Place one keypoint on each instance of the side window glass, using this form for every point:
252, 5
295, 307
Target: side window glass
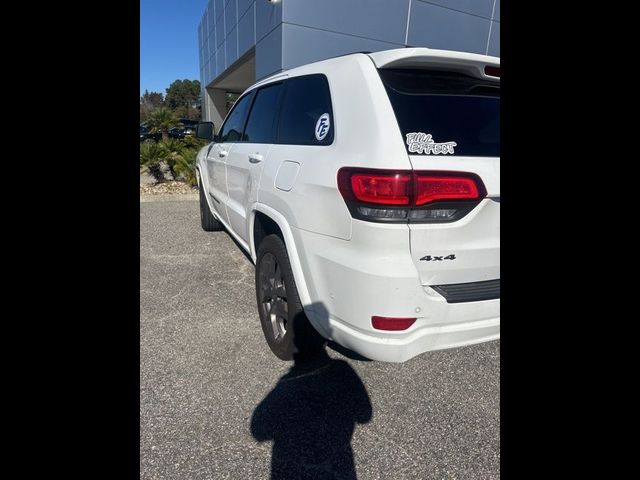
232, 129
307, 116
261, 126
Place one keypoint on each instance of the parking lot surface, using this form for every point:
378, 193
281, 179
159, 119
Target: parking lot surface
216, 403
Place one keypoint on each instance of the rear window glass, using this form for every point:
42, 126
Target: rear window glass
442, 113
306, 117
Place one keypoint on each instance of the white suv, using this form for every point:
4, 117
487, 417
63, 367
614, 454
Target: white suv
366, 189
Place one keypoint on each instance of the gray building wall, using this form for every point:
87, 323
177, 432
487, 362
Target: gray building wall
284, 34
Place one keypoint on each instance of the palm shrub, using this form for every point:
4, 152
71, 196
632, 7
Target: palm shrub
191, 141
179, 155
186, 166
162, 119
174, 149
151, 156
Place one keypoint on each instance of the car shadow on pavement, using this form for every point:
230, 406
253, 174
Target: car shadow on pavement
310, 416
346, 352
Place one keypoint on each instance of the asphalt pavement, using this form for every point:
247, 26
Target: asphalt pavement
216, 403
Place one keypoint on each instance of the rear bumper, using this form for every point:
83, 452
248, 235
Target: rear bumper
393, 348
470, 291
348, 282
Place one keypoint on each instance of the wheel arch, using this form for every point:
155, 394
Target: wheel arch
264, 221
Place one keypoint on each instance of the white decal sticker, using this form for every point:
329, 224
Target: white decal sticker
322, 126
423, 143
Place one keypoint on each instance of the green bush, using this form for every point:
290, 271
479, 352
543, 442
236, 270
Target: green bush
186, 166
192, 142
174, 149
151, 156
178, 154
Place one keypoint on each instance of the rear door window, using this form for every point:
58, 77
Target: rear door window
306, 117
262, 122
445, 112
232, 129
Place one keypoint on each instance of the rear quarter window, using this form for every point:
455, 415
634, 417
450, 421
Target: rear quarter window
445, 108
306, 117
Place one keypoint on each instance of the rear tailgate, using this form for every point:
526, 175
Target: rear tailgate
474, 240
447, 108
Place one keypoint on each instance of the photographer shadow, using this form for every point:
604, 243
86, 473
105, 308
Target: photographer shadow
310, 416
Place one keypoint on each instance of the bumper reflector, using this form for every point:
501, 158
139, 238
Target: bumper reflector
388, 323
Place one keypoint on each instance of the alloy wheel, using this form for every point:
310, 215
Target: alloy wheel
273, 295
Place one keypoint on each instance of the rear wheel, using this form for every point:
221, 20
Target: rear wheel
207, 220
286, 328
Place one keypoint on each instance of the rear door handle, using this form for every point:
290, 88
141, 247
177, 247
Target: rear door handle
223, 153
255, 158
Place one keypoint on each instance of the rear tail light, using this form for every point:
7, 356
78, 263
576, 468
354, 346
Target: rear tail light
409, 196
388, 323
432, 188
383, 189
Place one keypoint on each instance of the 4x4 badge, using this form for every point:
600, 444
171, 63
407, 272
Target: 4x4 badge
430, 258
419, 142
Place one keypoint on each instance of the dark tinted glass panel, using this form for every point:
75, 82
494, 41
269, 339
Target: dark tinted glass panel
451, 107
306, 99
261, 126
232, 128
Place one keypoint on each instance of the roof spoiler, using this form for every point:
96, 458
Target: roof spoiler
480, 66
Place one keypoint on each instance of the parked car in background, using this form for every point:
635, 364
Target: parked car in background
176, 132
145, 134
366, 190
189, 126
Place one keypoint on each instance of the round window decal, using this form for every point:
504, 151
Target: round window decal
322, 126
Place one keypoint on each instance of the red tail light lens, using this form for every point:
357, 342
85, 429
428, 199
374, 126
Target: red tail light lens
381, 189
432, 188
394, 324
408, 195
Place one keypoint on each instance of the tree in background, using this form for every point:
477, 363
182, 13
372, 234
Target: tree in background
190, 113
162, 114
232, 98
183, 96
152, 99
149, 101
162, 119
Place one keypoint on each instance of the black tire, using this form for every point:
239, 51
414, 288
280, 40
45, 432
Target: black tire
286, 328
207, 220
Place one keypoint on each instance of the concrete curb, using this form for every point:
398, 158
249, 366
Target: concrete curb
170, 197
